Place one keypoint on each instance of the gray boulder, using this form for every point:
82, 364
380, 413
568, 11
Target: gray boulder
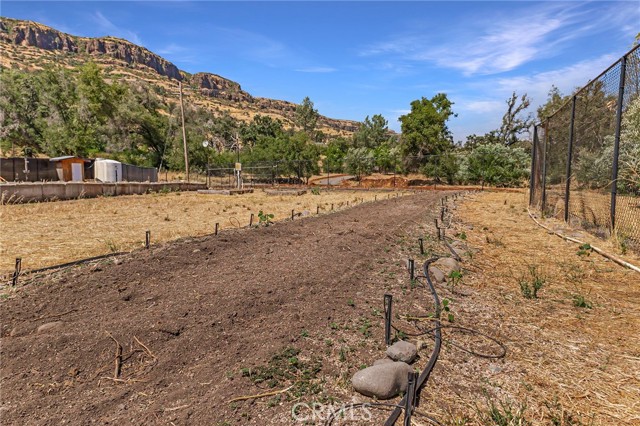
402, 351
382, 381
447, 265
437, 274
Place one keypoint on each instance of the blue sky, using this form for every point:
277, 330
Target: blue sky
362, 58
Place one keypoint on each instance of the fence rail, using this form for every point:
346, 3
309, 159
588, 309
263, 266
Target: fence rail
586, 156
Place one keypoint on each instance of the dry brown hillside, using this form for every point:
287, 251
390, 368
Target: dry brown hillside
29, 45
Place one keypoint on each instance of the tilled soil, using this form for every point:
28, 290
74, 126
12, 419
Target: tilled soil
194, 318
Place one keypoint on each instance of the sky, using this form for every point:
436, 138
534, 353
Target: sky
354, 59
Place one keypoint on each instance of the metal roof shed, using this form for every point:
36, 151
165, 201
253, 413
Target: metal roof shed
70, 168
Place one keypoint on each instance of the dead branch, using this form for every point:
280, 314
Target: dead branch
145, 348
118, 358
262, 395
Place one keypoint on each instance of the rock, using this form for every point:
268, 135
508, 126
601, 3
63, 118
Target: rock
437, 274
383, 361
402, 351
495, 369
305, 213
382, 381
50, 326
447, 264
117, 261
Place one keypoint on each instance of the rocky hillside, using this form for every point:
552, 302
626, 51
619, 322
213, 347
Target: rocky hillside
30, 45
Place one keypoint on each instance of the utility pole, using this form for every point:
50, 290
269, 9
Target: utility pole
184, 136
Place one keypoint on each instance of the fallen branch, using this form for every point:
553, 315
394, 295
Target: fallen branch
145, 348
118, 358
261, 395
54, 315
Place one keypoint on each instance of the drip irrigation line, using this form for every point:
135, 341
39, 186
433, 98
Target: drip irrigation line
437, 333
596, 249
73, 263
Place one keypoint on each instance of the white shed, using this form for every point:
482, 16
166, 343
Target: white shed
107, 170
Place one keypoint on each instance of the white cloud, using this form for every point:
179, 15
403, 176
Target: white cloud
481, 107
111, 29
317, 69
500, 43
172, 48
566, 79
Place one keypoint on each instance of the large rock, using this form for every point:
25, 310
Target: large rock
402, 351
447, 265
382, 381
437, 274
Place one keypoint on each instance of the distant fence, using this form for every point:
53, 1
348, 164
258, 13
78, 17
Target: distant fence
26, 169
586, 156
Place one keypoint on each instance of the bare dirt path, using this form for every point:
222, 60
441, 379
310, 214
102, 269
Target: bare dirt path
186, 321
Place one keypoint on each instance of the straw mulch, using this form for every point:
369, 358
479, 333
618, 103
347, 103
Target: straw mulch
45, 234
573, 353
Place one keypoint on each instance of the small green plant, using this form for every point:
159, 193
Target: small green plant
529, 289
265, 218
447, 310
462, 235
304, 333
315, 191
454, 279
351, 303
365, 327
584, 250
581, 302
503, 414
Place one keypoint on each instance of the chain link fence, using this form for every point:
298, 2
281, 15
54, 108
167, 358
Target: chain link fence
586, 156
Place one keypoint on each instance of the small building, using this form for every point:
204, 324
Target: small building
70, 168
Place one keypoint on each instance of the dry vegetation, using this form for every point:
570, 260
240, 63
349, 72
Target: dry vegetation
573, 352
45, 234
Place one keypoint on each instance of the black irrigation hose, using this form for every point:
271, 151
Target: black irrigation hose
424, 376
332, 416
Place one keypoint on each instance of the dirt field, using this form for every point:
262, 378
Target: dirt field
45, 234
294, 309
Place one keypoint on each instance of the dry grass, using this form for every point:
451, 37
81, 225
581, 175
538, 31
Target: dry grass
566, 364
46, 234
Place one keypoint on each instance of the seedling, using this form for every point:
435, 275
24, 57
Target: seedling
454, 279
265, 218
580, 302
447, 310
584, 250
530, 289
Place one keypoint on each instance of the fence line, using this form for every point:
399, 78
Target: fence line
586, 156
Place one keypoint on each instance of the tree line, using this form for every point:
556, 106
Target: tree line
59, 111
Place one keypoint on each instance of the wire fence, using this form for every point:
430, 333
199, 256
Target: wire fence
586, 156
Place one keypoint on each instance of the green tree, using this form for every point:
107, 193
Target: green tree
424, 129
335, 153
306, 117
372, 132
442, 167
497, 164
359, 161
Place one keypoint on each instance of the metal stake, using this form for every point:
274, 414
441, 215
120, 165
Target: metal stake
292, 214
147, 240
16, 272
216, 231
388, 303
420, 241
251, 220
616, 144
412, 270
